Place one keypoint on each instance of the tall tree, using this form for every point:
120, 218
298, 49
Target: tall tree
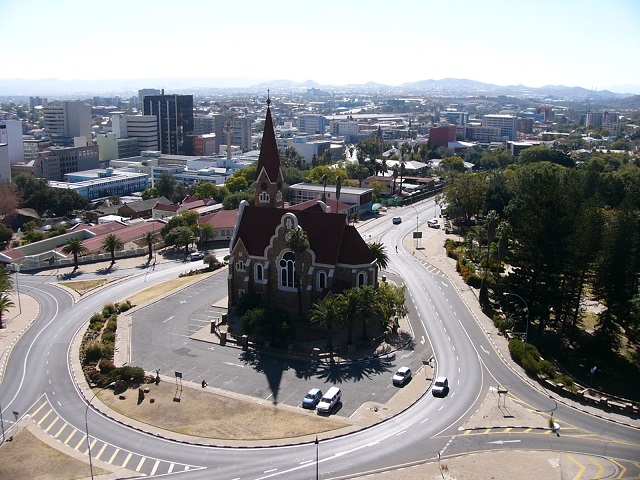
326, 313
298, 243
165, 185
350, 305
149, 239
74, 247
111, 243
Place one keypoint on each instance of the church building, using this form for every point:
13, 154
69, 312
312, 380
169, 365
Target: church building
335, 257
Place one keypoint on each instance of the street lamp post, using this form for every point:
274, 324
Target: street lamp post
417, 225
86, 425
526, 333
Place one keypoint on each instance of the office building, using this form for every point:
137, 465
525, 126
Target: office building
507, 125
174, 115
312, 123
594, 119
55, 163
66, 120
100, 183
441, 136
455, 118
11, 134
349, 129
147, 91
142, 127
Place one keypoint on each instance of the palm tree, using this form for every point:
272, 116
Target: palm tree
379, 251
394, 175
74, 247
149, 239
112, 243
349, 306
5, 305
5, 280
369, 307
298, 243
324, 179
327, 313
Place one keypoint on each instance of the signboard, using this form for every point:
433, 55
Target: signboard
417, 234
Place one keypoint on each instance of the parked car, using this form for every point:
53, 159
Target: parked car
396, 220
402, 376
196, 256
312, 398
440, 387
329, 400
433, 223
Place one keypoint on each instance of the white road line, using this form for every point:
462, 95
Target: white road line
172, 316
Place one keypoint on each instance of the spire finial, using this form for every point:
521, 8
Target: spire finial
268, 98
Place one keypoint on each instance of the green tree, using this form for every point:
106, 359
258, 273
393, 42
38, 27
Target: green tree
369, 307
111, 243
236, 184
149, 239
207, 232
298, 243
180, 237
27, 184
5, 305
150, 193
464, 195
6, 284
350, 308
379, 250
165, 185
74, 247
327, 314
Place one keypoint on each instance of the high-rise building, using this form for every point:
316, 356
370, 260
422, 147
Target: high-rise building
595, 119
68, 120
312, 123
346, 128
441, 136
507, 124
174, 121
142, 127
11, 134
147, 91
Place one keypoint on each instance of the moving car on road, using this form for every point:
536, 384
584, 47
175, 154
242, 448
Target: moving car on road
396, 220
440, 387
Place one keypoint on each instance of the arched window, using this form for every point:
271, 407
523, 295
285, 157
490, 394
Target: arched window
263, 197
362, 279
259, 272
240, 266
287, 270
322, 280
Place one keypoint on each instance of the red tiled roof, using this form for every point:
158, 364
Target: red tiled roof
221, 219
331, 239
334, 207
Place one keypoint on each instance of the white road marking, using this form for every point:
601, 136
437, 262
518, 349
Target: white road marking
168, 319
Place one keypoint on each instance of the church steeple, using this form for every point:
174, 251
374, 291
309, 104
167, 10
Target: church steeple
269, 176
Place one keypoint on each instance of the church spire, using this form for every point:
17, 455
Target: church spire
269, 174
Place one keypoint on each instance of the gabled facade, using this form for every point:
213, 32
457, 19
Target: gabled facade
261, 262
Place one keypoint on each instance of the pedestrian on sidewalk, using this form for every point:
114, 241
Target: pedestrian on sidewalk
204, 383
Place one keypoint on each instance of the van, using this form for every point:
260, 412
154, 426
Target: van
329, 400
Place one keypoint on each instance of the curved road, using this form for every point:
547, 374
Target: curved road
39, 373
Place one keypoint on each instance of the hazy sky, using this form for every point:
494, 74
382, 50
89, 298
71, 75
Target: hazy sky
593, 44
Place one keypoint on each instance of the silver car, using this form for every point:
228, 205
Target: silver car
440, 387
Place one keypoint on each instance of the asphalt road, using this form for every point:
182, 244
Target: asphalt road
39, 372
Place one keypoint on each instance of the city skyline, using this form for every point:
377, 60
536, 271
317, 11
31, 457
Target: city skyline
570, 43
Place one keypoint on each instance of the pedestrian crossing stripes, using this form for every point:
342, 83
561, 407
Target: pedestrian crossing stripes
46, 417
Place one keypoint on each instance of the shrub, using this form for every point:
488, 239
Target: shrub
106, 350
96, 322
131, 375
124, 307
106, 366
97, 378
473, 280
108, 310
108, 336
112, 324
92, 352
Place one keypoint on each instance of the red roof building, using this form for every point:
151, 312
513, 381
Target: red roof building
261, 260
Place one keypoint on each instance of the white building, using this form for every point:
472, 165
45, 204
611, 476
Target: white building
362, 198
142, 127
11, 134
346, 128
100, 183
312, 123
5, 166
508, 125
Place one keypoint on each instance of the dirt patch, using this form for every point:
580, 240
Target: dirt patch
27, 457
84, 286
202, 413
162, 289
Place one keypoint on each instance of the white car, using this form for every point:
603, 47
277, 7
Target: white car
402, 376
440, 387
433, 223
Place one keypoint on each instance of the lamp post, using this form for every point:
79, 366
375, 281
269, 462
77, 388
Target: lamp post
18, 288
416, 224
86, 425
317, 468
526, 333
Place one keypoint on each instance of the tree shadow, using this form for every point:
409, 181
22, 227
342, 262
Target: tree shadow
107, 270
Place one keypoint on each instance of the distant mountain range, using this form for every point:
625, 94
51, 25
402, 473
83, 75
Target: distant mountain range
210, 86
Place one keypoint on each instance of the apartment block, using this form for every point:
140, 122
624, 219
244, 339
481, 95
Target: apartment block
69, 119
55, 163
507, 125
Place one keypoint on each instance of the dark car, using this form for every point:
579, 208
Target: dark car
312, 398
